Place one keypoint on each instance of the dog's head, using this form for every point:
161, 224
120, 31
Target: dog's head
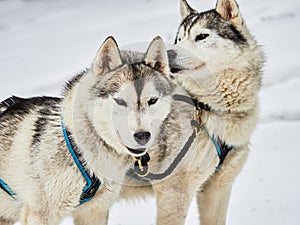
218, 38
131, 95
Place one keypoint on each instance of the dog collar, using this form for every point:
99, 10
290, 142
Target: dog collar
92, 182
194, 102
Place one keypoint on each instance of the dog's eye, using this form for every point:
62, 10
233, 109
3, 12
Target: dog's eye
152, 101
201, 37
120, 102
177, 40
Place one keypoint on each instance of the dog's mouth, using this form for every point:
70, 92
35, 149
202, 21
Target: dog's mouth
137, 151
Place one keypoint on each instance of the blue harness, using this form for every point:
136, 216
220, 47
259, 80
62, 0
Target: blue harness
222, 148
8, 103
92, 182
5, 188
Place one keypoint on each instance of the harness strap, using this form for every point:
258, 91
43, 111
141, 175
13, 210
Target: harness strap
221, 147
135, 172
141, 169
192, 101
7, 189
4, 105
9, 102
92, 182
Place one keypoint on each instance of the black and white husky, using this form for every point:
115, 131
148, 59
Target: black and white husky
68, 156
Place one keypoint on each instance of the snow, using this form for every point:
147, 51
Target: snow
43, 43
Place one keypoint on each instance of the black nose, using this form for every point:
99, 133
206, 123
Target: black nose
142, 137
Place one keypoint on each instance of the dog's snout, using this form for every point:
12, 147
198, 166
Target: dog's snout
142, 138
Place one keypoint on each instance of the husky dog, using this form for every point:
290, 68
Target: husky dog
222, 71
57, 152
227, 78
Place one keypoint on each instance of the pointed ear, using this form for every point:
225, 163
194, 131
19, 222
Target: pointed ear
185, 9
108, 57
157, 56
229, 10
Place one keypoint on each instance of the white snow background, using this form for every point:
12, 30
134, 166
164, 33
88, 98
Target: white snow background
43, 43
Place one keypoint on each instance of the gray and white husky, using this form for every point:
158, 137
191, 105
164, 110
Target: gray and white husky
110, 117
221, 69
57, 152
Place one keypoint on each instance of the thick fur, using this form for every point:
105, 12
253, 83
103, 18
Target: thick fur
217, 61
35, 161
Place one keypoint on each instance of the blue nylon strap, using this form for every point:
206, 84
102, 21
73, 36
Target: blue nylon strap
8, 103
222, 151
75, 158
7, 189
216, 145
92, 183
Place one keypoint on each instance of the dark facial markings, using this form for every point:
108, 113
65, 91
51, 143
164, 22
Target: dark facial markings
225, 29
152, 101
120, 102
186, 23
212, 20
137, 73
201, 37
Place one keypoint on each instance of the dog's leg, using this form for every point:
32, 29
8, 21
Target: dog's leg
214, 196
96, 211
31, 216
174, 197
92, 216
5, 222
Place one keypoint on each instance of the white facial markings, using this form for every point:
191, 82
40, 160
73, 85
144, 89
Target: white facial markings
143, 113
215, 51
127, 115
122, 114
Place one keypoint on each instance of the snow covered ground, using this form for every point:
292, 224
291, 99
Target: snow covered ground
43, 43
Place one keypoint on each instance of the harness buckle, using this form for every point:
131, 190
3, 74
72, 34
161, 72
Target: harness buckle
197, 117
139, 161
141, 165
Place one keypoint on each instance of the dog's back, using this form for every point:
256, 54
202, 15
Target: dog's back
21, 124
14, 112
